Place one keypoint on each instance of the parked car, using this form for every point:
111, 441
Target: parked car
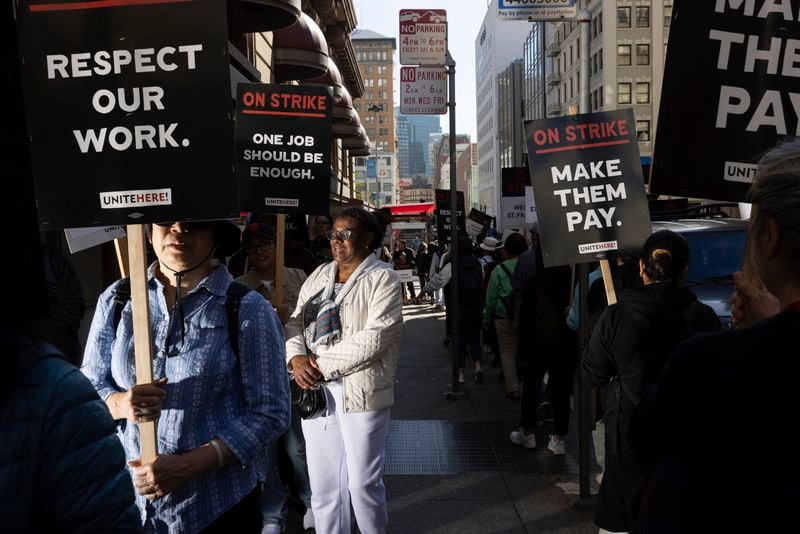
716, 251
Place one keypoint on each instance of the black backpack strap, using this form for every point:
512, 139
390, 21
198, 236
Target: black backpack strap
235, 294
121, 296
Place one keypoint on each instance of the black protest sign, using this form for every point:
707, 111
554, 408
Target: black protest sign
128, 110
477, 221
283, 147
512, 199
588, 186
731, 90
444, 217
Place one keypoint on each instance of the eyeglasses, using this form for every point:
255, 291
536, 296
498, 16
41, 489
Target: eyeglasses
259, 245
190, 225
344, 235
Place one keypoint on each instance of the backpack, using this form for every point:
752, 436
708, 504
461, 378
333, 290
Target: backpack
235, 294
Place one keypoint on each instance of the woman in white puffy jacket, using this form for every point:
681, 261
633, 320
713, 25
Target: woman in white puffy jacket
344, 337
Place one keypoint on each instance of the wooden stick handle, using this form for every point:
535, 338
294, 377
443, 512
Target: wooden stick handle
142, 341
608, 281
280, 231
121, 246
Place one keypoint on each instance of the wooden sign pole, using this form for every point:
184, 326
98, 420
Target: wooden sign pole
608, 281
280, 231
140, 303
121, 246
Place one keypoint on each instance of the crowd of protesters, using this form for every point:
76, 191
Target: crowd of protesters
236, 362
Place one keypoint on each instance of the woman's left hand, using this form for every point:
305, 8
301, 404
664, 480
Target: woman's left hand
166, 474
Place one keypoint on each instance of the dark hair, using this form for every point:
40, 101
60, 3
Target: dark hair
326, 215
665, 255
515, 244
465, 247
367, 222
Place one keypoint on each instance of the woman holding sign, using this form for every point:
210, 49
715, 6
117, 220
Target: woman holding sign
344, 337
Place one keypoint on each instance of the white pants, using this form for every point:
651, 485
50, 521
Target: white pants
345, 454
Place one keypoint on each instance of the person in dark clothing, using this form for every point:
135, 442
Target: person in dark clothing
691, 425
423, 265
470, 309
403, 258
627, 350
548, 347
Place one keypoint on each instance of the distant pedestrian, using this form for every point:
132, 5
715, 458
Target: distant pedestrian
470, 309
404, 259
422, 264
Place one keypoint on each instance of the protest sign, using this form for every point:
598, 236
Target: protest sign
512, 199
444, 217
530, 206
477, 221
128, 110
82, 238
283, 147
588, 186
731, 90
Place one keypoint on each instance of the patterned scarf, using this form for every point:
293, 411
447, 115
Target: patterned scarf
327, 328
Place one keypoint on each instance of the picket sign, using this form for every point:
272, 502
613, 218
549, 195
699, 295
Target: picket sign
142, 342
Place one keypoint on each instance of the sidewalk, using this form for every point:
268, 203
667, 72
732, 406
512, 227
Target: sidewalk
450, 467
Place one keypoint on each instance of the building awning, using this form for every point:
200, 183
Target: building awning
332, 78
264, 15
411, 209
343, 110
300, 52
347, 130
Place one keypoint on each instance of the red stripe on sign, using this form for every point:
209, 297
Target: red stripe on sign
589, 145
98, 4
284, 113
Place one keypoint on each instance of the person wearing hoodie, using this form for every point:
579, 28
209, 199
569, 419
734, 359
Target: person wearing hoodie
470, 308
627, 350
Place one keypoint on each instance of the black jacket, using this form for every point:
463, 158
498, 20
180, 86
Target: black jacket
721, 427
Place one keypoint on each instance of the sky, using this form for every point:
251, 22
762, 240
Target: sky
464, 18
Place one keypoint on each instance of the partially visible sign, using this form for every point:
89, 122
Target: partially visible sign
730, 92
283, 147
423, 37
477, 221
536, 10
444, 216
128, 110
406, 275
587, 180
512, 200
83, 238
372, 168
423, 90
530, 206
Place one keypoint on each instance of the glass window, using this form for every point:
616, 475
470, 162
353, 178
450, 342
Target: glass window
623, 55
667, 15
624, 17
643, 93
643, 131
642, 16
642, 54
623, 93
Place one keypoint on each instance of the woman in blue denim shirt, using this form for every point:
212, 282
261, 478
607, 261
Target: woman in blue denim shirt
216, 410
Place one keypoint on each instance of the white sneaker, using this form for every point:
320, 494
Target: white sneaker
518, 437
308, 519
559, 448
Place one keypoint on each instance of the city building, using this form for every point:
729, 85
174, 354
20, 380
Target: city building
440, 154
376, 179
496, 45
375, 56
510, 128
535, 65
413, 143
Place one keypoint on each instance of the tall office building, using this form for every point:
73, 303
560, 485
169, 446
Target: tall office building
413, 143
496, 45
375, 55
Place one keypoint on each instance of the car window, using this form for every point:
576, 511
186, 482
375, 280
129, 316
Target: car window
714, 254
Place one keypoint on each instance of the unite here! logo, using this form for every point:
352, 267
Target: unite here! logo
135, 199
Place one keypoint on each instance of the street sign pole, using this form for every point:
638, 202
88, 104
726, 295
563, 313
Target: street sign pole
453, 304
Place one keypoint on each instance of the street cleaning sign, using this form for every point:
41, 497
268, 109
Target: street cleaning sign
588, 186
512, 199
423, 37
536, 10
283, 147
731, 90
423, 90
444, 218
128, 110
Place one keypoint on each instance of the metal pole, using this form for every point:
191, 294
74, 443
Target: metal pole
584, 399
452, 307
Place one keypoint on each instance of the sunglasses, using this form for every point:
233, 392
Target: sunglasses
259, 245
344, 235
190, 225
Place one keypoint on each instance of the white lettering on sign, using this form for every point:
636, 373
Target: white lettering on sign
135, 199
121, 138
280, 172
104, 62
596, 169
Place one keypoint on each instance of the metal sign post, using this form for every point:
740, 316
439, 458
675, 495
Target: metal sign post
453, 305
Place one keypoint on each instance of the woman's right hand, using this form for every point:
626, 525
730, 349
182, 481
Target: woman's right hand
305, 371
140, 404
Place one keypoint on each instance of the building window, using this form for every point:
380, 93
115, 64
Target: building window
624, 17
643, 131
642, 16
643, 93
642, 54
383, 131
623, 55
623, 93
382, 119
599, 22
667, 15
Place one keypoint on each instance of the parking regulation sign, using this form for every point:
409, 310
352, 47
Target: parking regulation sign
423, 37
536, 10
423, 90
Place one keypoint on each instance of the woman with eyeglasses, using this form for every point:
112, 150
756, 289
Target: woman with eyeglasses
216, 405
344, 337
